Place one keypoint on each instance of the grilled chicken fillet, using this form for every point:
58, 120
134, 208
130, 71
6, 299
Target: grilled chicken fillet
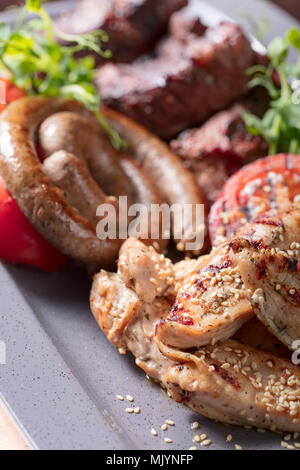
231, 382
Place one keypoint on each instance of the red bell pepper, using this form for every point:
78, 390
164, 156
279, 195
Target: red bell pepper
19, 241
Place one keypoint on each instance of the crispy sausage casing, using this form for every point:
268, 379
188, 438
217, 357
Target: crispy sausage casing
39, 199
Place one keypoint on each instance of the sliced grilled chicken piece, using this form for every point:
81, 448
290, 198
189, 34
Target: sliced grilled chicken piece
232, 382
260, 265
128, 305
185, 268
236, 384
210, 306
130, 323
267, 256
144, 270
113, 306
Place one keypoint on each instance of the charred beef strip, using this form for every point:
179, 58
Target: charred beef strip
167, 95
133, 26
184, 26
214, 151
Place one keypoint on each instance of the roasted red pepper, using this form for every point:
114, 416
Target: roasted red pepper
19, 241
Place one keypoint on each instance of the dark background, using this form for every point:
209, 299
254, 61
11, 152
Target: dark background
292, 6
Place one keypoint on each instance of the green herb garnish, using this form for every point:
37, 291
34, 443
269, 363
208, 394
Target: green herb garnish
280, 126
39, 64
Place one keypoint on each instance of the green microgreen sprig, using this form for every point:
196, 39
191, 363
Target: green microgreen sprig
40, 61
280, 126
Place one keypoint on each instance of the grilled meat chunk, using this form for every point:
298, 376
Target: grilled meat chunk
168, 95
258, 269
128, 305
211, 304
237, 384
214, 151
144, 270
231, 382
267, 255
133, 26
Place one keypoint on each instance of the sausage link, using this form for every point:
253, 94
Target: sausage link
147, 194
72, 175
81, 136
174, 181
39, 199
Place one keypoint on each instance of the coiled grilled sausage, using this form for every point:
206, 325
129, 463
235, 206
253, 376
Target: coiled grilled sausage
83, 137
63, 207
175, 182
146, 193
72, 175
39, 199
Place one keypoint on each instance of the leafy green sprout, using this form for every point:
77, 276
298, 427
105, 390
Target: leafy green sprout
280, 126
40, 62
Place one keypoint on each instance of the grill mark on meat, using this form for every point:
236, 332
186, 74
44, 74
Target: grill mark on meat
214, 64
261, 269
213, 268
225, 376
176, 316
274, 223
200, 287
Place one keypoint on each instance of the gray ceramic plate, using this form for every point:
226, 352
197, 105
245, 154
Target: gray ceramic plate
61, 375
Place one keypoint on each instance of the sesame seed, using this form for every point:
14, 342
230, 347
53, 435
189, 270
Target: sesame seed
195, 425
168, 440
287, 437
292, 291
270, 364
297, 445
203, 437
129, 410
154, 432
164, 427
238, 447
170, 422
207, 442
229, 438
225, 366
193, 448
119, 397
180, 246
290, 447
284, 444
137, 410
130, 398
